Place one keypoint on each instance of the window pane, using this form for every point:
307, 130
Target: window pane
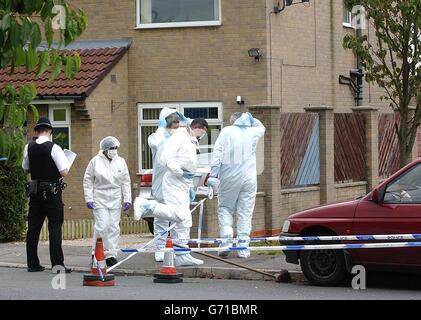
59, 115
61, 137
206, 113
164, 11
406, 189
151, 114
346, 14
146, 131
207, 142
206, 146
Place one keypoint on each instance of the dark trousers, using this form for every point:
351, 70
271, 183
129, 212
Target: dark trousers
39, 209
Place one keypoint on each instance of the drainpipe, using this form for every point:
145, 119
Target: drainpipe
359, 74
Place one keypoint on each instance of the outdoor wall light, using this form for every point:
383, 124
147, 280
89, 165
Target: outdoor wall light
287, 3
255, 53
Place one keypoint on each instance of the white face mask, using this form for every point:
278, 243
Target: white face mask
198, 133
172, 131
112, 154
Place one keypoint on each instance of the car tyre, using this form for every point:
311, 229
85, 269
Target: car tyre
323, 267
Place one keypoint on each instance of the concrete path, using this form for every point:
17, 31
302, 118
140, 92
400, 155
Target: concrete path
78, 256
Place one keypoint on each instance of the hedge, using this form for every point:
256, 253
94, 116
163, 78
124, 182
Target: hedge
13, 203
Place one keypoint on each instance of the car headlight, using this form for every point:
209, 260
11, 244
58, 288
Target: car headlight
285, 228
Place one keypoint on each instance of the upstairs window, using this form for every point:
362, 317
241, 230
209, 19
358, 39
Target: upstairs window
178, 13
347, 16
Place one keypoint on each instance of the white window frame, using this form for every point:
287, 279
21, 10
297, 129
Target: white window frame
61, 124
140, 25
180, 106
345, 23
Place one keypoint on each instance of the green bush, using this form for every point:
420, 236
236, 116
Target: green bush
13, 203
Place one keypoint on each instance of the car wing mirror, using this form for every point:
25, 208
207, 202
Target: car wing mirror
376, 195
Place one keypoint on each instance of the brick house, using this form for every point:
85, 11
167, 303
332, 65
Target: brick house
141, 55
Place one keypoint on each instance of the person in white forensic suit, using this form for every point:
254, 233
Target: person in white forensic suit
106, 180
233, 175
169, 121
180, 157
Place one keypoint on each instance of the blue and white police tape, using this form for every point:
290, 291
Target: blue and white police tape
143, 248
413, 236
159, 236
285, 248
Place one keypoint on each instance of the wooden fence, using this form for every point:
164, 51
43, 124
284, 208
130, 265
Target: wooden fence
349, 147
297, 130
388, 145
84, 228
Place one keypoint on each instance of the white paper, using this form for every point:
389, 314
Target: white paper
71, 156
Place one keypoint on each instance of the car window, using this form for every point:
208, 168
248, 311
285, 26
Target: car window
406, 188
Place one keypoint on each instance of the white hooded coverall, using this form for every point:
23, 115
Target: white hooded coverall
103, 184
234, 163
179, 152
157, 142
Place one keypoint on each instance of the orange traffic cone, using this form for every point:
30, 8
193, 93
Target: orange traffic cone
168, 273
99, 276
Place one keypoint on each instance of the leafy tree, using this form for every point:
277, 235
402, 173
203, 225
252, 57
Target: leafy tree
23, 23
392, 60
20, 37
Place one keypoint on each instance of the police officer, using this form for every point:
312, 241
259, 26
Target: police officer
47, 164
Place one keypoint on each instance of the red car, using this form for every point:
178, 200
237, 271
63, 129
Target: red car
393, 207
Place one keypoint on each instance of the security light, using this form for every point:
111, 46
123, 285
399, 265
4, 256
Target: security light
255, 53
291, 2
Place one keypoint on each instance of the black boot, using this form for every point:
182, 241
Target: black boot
66, 270
36, 269
111, 261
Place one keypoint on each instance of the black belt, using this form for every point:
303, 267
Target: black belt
42, 187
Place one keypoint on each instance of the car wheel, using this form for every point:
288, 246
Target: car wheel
323, 267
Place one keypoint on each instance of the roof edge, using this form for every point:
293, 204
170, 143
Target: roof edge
92, 44
104, 73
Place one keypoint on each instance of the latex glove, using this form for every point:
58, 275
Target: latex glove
127, 206
90, 205
250, 118
245, 120
162, 123
192, 195
214, 184
188, 174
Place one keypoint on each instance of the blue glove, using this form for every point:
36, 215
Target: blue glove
245, 120
250, 118
90, 205
188, 174
127, 206
182, 118
162, 123
192, 195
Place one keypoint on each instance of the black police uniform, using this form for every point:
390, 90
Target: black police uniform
45, 204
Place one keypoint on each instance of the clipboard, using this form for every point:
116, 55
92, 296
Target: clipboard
71, 156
